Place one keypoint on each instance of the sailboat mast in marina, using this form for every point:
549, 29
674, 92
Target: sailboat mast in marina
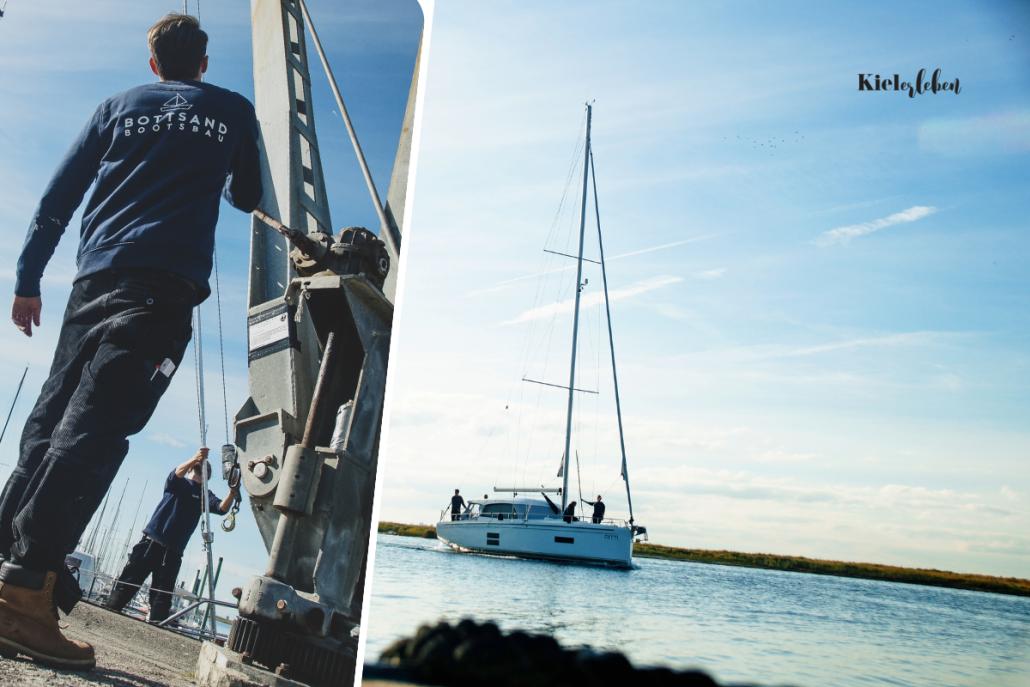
536, 527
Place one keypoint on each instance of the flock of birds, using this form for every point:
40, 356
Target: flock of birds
767, 144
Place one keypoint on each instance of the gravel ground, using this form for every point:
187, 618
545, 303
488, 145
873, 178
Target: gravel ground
129, 652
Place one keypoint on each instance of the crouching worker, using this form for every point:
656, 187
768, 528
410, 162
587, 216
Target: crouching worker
159, 552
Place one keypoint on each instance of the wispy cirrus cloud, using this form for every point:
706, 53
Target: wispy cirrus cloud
845, 234
640, 251
992, 134
710, 274
917, 338
622, 294
166, 439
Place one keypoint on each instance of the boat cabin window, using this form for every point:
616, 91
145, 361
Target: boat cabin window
500, 511
539, 512
517, 511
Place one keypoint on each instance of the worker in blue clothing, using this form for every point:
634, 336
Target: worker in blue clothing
159, 552
159, 158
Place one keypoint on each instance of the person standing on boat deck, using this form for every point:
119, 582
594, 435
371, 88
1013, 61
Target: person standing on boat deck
457, 505
158, 156
159, 552
570, 512
598, 509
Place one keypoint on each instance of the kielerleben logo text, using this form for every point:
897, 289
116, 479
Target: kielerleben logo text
874, 82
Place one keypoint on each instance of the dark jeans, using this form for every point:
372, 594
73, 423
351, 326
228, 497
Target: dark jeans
148, 558
103, 387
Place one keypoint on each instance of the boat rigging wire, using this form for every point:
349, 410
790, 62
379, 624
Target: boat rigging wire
186, 8
579, 480
132, 527
14, 401
109, 535
611, 338
92, 538
538, 340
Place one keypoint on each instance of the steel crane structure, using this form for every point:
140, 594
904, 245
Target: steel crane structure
319, 322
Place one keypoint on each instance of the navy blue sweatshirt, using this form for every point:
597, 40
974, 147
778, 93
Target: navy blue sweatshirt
161, 155
178, 514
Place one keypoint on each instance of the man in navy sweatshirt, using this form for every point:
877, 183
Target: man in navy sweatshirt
159, 157
159, 552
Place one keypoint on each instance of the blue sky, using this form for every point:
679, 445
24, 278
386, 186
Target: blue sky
57, 61
821, 301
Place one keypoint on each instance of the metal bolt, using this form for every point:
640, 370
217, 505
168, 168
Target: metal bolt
281, 604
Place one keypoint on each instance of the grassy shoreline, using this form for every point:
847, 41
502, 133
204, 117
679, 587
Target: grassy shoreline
871, 571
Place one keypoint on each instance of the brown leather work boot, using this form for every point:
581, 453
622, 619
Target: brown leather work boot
28, 625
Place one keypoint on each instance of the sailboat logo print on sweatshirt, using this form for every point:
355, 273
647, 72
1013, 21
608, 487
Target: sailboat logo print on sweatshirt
176, 103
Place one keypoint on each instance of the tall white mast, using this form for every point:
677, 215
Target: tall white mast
575, 317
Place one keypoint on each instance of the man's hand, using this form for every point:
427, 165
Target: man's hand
25, 312
226, 505
200, 456
197, 459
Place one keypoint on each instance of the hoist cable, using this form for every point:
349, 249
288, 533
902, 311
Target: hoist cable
198, 370
234, 476
205, 524
221, 348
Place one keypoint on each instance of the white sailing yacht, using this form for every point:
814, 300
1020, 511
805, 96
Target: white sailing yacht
532, 527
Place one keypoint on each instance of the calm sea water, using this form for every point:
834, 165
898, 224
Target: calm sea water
738, 624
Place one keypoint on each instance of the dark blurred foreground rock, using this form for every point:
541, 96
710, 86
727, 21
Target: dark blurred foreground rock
471, 653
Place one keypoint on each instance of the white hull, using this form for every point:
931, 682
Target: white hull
551, 538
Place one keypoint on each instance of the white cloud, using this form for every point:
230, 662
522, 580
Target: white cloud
608, 260
594, 298
1001, 132
709, 274
167, 440
887, 340
844, 234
